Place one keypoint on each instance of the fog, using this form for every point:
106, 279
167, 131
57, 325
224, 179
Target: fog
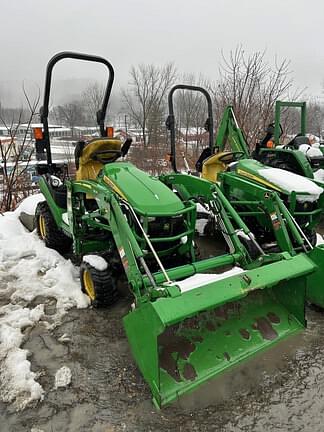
190, 33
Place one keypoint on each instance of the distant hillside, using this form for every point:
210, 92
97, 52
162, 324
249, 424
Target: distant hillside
63, 90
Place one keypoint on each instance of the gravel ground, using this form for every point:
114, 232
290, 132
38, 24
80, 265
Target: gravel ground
279, 390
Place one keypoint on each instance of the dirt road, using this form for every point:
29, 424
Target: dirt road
282, 389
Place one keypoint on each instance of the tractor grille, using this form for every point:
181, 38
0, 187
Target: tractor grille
166, 226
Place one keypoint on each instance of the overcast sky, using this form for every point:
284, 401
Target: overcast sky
190, 33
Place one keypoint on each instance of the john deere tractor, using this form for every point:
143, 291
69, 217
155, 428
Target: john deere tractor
269, 199
297, 155
191, 317
246, 181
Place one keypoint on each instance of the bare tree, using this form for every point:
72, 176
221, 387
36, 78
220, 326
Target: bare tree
315, 117
145, 100
70, 114
191, 110
93, 96
251, 85
16, 154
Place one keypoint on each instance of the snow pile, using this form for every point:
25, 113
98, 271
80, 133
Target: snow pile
96, 261
200, 226
201, 210
310, 151
319, 239
17, 382
202, 218
201, 279
28, 269
306, 189
36, 269
63, 377
319, 175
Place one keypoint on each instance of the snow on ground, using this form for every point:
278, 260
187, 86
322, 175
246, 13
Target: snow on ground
202, 210
319, 239
17, 382
200, 226
305, 188
202, 218
28, 269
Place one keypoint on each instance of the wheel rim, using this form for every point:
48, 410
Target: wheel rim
88, 284
42, 226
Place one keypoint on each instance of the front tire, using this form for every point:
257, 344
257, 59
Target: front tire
99, 285
48, 231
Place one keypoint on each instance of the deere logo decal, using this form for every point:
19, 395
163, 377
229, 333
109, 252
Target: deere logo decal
85, 185
258, 179
114, 187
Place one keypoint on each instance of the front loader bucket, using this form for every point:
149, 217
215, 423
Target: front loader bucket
181, 342
315, 284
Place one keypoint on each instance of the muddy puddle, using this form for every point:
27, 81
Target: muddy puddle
281, 389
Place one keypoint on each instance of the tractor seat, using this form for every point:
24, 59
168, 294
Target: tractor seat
87, 167
212, 166
298, 141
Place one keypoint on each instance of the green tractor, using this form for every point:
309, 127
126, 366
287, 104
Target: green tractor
245, 181
283, 208
192, 317
297, 156
249, 178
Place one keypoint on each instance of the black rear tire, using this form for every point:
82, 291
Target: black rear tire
99, 285
48, 231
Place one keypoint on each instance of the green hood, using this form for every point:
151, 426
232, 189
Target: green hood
279, 180
250, 169
144, 192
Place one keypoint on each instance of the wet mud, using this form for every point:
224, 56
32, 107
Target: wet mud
265, 328
173, 347
281, 389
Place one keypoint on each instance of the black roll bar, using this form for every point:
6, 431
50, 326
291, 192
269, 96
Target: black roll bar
170, 122
101, 114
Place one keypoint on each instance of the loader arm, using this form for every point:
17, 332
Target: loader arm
230, 132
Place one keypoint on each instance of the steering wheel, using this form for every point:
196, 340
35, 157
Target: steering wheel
229, 157
290, 146
97, 155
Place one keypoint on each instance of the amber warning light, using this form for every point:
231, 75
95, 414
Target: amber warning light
38, 133
110, 132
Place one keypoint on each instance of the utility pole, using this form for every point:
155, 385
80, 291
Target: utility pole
126, 124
